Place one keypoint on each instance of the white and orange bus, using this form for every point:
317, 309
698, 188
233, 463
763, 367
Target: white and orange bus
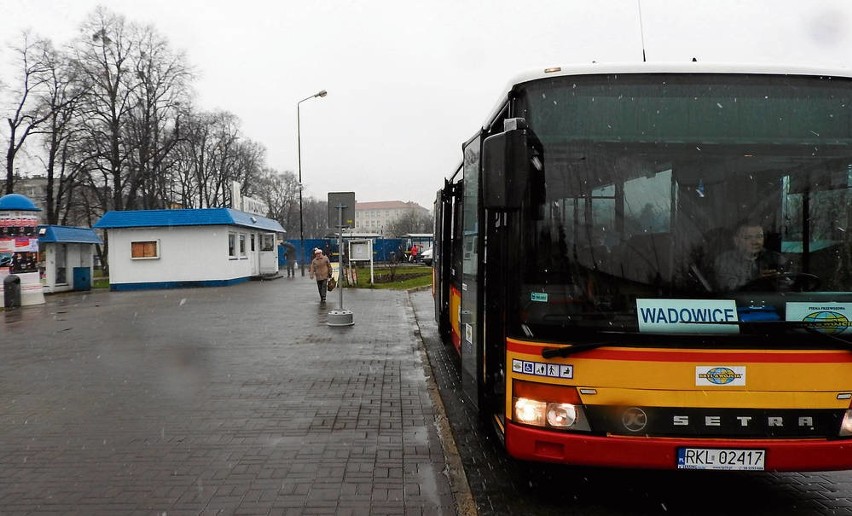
576, 255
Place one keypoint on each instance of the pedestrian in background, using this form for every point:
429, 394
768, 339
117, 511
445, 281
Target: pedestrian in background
320, 270
290, 259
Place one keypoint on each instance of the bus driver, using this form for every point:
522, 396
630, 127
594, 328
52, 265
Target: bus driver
748, 260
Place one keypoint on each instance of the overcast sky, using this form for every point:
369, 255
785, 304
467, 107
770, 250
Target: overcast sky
409, 81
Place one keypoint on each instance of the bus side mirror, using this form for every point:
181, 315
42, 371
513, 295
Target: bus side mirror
504, 157
512, 168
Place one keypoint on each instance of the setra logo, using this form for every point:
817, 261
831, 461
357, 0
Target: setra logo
634, 419
720, 375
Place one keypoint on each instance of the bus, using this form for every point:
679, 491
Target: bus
574, 267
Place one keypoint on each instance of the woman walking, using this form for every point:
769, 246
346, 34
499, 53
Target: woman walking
320, 270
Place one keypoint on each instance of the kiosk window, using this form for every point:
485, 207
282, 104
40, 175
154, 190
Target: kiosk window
146, 249
232, 245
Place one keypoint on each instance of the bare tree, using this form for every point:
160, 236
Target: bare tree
280, 192
213, 154
29, 113
62, 93
190, 156
225, 133
315, 216
411, 221
247, 166
154, 126
103, 59
120, 131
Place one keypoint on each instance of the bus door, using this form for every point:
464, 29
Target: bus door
470, 335
447, 247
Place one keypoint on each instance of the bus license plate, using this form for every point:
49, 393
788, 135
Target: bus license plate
721, 459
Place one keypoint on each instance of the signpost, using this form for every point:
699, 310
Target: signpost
341, 214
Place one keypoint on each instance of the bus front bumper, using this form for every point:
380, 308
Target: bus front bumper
532, 444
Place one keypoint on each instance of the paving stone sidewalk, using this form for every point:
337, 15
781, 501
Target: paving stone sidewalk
232, 400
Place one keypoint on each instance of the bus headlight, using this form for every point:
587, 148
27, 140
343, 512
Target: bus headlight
561, 415
564, 416
846, 424
530, 412
548, 406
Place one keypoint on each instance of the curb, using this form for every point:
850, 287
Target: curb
465, 505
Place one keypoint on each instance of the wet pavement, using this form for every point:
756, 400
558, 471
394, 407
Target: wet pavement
231, 400
243, 400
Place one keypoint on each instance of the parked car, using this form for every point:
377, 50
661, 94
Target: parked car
426, 257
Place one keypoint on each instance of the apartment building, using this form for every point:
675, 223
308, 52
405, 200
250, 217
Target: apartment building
375, 217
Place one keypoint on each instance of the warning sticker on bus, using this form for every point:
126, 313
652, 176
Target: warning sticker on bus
543, 369
730, 459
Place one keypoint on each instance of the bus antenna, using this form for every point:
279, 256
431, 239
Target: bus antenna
641, 29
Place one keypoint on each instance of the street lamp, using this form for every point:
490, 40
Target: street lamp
321, 93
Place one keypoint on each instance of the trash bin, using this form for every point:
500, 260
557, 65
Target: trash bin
82, 278
11, 291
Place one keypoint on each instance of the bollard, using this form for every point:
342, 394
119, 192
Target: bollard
11, 292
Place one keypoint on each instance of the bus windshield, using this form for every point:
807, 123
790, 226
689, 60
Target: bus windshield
702, 204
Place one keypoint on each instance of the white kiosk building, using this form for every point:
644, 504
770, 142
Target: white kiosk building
188, 247
68, 257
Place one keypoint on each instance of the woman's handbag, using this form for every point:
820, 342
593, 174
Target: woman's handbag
332, 283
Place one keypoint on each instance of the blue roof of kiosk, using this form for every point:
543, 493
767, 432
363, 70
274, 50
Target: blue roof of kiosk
17, 202
187, 217
67, 235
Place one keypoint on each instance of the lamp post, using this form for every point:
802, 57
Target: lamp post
321, 93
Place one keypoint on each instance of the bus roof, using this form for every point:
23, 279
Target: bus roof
661, 68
